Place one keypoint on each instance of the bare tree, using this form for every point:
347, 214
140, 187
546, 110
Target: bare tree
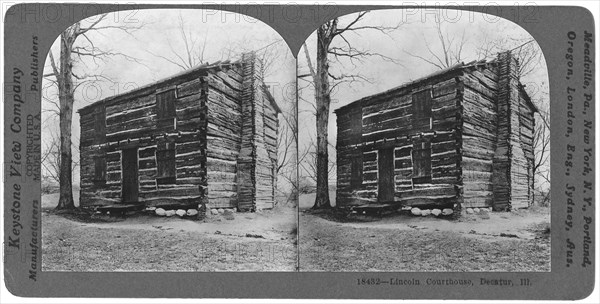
193, 51
76, 45
541, 148
51, 156
333, 45
286, 152
310, 162
523, 48
450, 52
287, 141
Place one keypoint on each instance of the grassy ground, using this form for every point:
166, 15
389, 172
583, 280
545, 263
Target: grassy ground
515, 241
262, 241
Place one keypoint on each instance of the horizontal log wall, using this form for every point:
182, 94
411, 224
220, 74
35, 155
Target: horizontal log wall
442, 191
94, 193
387, 122
348, 129
480, 127
131, 121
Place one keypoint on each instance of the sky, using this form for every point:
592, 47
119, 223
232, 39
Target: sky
157, 33
415, 35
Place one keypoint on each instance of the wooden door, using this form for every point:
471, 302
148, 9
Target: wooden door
386, 175
129, 167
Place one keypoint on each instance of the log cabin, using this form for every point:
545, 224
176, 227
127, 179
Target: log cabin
203, 138
459, 138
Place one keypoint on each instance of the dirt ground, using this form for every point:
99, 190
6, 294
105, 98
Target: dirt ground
266, 241
261, 241
497, 241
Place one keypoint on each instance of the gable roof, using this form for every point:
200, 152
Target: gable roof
176, 78
459, 67
181, 76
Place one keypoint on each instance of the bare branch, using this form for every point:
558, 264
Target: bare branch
81, 31
309, 62
425, 59
169, 60
53, 64
340, 31
450, 52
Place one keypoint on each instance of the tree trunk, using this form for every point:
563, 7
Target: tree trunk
323, 100
533, 190
66, 99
